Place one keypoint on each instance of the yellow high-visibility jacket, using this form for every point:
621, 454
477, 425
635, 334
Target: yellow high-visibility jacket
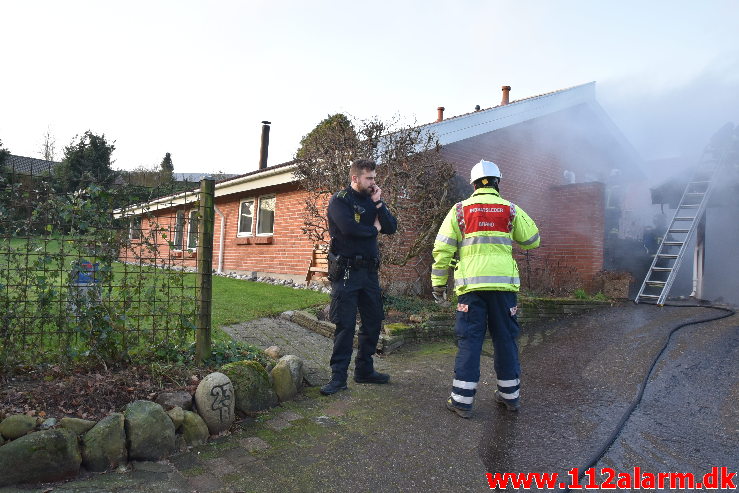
485, 243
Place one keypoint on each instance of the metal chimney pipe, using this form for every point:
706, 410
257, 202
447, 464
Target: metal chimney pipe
440, 113
264, 150
506, 95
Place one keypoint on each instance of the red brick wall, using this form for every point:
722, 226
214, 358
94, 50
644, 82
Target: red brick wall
290, 251
576, 235
286, 253
570, 218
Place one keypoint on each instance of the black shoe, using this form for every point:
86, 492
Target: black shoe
464, 413
374, 377
333, 386
510, 404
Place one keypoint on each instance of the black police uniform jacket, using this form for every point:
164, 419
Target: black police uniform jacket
351, 219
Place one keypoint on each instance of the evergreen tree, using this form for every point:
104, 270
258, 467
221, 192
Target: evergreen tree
4, 153
87, 161
166, 172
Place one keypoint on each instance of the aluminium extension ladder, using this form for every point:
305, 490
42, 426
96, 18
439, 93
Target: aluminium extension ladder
688, 216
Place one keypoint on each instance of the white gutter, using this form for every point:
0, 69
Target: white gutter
223, 234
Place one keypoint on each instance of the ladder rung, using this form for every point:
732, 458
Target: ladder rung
656, 283
673, 243
685, 218
698, 182
695, 193
688, 206
661, 269
653, 296
667, 255
678, 230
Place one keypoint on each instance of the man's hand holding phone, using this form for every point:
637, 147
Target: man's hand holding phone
376, 193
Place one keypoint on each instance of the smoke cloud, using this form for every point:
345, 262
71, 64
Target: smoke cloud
670, 125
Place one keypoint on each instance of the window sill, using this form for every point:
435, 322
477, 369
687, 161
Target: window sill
243, 240
263, 240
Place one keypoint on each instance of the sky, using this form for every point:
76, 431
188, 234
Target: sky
196, 78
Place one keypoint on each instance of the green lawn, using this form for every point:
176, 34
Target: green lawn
237, 301
234, 300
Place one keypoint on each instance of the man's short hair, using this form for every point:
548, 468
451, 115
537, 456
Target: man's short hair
361, 166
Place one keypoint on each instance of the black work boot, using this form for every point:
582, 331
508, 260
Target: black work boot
333, 386
510, 404
374, 377
464, 413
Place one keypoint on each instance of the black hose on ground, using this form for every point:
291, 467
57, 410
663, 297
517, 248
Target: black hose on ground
616, 432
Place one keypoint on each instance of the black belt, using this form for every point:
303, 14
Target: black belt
357, 262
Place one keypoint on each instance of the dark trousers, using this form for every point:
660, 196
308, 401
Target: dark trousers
477, 313
361, 291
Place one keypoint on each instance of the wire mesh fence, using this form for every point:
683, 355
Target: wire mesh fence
100, 272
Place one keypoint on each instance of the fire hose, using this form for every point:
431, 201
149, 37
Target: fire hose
728, 312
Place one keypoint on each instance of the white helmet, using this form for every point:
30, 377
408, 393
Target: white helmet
483, 169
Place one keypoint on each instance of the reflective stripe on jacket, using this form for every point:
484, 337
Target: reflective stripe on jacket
491, 226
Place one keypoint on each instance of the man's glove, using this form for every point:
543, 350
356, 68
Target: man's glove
439, 293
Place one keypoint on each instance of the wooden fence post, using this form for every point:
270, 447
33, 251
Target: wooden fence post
204, 283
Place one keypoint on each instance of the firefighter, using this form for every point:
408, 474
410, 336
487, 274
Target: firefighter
356, 217
481, 230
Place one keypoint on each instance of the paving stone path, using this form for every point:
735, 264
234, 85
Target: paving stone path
313, 348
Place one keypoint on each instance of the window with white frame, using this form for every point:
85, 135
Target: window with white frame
134, 231
179, 230
192, 232
246, 217
266, 215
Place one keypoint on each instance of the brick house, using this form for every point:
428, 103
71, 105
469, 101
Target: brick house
561, 157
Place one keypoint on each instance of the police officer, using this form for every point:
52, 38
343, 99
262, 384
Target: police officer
482, 230
356, 216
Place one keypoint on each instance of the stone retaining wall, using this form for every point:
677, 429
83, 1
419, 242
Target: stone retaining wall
35, 451
441, 325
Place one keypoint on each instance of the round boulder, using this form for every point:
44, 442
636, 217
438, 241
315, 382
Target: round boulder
17, 425
176, 414
273, 352
77, 425
104, 446
282, 382
252, 389
214, 399
149, 431
49, 455
194, 429
179, 398
296, 367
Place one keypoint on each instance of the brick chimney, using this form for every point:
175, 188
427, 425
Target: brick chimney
506, 95
440, 113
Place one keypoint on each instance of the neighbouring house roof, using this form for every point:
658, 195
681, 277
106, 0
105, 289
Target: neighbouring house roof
449, 130
30, 165
274, 175
195, 177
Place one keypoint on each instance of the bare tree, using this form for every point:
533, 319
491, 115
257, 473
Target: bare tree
48, 147
416, 181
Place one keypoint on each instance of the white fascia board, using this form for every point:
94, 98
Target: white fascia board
255, 181
481, 122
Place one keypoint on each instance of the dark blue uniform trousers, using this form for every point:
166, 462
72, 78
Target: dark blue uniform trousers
361, 291
478, 312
